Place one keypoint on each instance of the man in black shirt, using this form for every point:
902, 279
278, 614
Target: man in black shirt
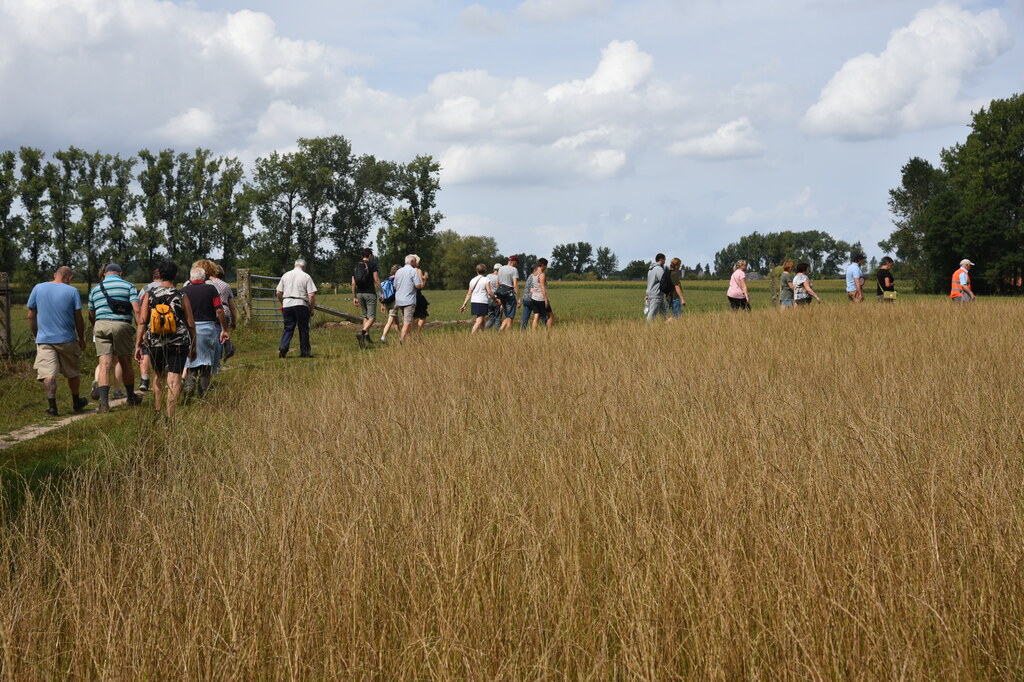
886, 282
365, 283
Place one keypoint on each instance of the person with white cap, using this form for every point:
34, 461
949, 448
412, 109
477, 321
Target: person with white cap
961, 291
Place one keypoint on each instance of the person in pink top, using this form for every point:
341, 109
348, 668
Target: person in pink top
739, 297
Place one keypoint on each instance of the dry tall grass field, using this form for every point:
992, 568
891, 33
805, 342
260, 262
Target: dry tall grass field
828, 493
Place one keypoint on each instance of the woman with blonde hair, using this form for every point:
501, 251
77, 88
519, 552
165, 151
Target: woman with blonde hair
739, 297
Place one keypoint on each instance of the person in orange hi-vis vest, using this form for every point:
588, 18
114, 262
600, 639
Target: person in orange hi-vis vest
961, 291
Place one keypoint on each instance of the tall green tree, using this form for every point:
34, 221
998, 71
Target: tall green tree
32, 192
11, 224
119, 202
606, 262
360, 206
232, 212
412, 224
88, 233
61, 190
276, 193
919, 183
151, 234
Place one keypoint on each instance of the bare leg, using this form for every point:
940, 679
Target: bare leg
158, 390
51, 387
405, 331
118, 383
477, 324
533, 325
105, 365
127, 378
173, 391
388, 325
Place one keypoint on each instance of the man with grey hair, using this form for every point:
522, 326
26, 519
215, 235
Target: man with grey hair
407, 283
55, 317
113, 307
296, 293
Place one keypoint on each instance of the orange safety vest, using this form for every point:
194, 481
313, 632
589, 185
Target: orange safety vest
958, 290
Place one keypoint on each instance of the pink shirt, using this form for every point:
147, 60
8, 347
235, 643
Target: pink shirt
736, 284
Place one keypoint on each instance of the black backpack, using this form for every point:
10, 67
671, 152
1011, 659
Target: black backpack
665, 286
362, 274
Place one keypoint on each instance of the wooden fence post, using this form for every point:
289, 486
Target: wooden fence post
6, 341
244, 285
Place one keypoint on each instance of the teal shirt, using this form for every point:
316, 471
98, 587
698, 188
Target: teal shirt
117, 288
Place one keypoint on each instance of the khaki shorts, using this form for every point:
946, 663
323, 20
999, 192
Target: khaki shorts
114, 337
404, 313
53, 359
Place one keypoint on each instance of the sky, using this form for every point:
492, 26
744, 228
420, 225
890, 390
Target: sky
648, 126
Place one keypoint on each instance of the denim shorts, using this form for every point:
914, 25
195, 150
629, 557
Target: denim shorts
507, 296
786, 302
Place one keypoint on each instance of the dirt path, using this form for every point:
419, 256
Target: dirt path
35, 430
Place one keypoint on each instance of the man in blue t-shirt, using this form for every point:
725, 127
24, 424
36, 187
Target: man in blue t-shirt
855, 278
55, 317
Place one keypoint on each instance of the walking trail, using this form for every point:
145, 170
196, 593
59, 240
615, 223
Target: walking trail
34, 431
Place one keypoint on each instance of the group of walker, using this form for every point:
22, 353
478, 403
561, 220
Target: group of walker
177, 336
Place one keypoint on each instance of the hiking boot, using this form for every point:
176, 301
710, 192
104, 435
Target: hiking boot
188, 386
79, 404
95, 392
369, 341
144, 385
119, 394
134, 399
361, 339
281, 352
103, 409
52, 412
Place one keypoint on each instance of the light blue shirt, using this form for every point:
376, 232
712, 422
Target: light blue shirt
406, 281
853, 273
55, 304
963, 279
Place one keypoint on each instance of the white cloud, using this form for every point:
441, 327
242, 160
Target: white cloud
799, 206
554, 11
916, 82
622, 69
480, 20
138, 68
528, 164
734, 140
193, 126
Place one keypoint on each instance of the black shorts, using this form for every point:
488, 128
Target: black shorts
478, 309
738, 303
170, 359
540, 307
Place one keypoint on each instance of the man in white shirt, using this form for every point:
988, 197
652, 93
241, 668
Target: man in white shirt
407, 281
296, 293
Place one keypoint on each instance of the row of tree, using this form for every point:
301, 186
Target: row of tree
320, 202
970, 206
824, 253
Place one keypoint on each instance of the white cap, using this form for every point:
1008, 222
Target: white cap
965, 262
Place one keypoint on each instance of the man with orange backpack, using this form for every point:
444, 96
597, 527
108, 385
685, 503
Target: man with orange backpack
961, 291
168, 333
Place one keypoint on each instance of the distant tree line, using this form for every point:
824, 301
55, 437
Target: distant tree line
824, 253
320, 202
970, 206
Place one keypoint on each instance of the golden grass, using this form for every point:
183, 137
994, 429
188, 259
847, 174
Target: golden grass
835, 492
